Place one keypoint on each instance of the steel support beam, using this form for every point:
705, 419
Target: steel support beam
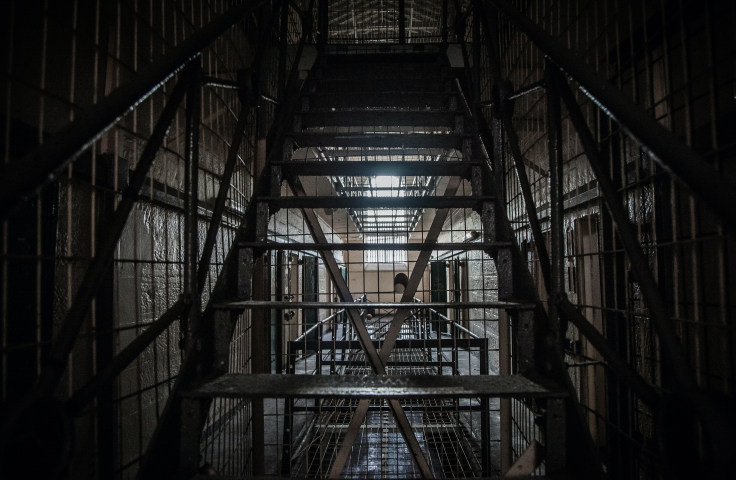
190, 322
402, 21
380, 386
367, 140
371, 168
371, 354
255, 304
130, 352
557, 325
227, 174
397, 321
690, 168
618, 365
505, 110
22, 179
580, 449
458, 247
669, 342
160, 456
64, 343
365, 202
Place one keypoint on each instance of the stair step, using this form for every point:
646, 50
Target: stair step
369, 83
401, 344
243, 385
373, 118
462, 247
396, 100
374, 202
263, 304
419, 70
388, 58
409, 140
226, 477
397, 154
372, 168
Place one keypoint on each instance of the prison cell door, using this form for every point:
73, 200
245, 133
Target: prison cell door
310, 287
438, 286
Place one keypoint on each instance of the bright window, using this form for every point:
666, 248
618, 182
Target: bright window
385, 256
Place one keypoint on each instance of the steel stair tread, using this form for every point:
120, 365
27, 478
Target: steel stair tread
381, 58
383, 477
358, 100
264, 385
410, 140
376, 246
264, 304
361, 202
373, 168
371, 84
378, 118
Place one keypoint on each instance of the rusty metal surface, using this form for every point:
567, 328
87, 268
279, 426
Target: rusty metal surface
373, 386
358, 306
374, 202
379, 246
370, 168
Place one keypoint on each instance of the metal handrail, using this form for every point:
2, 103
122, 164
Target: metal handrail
320, 322
301, 337
457, 325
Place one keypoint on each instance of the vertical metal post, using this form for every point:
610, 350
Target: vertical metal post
191, 411
260, 324
402, 21
289, 420
260, 333
554, 144
476, 56
485, 419
445, 33
439, 344
504, 367
556, 436
525, 358
455, 353
191, 205
323, 22
281, 84
499, 168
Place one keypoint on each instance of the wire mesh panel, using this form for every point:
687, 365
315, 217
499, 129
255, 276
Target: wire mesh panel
377, 21
59, 60
666, 59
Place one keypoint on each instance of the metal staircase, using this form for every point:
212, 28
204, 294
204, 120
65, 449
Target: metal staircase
394, 100
382, 90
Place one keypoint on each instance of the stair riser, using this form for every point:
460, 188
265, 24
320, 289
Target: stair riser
354, 101
379, 71
378, 141
397, 84
389, 119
